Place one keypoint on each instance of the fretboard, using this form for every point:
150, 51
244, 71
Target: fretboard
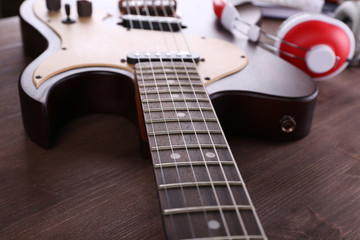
201, 192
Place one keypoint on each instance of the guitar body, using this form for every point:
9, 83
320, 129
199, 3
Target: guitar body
266, 98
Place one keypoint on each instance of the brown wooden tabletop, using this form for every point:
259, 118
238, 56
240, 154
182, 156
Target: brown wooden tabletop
95, 185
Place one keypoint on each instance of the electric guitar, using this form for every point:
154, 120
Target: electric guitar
177, 78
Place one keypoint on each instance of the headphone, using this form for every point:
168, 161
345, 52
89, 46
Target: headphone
319, 45
349, 13
305, 5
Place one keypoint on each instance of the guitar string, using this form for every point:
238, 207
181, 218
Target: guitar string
158, 154
205, 162
200, 147
240, 219
210, 136
202, 114
177, 116
181, 130
223, 219
169, 138
221, 212
222, 169
236, 166
180, 180
165, 124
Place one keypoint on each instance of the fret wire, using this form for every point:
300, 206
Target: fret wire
229, 189
248, 197
160, 133
176, 109
184, 198
174, 211
172, 91
186, 148
193, 174
189, 146
167, 199
169, 137
171, 84
200, 184
193, 163
224, 221
221, 213
160, 101
180, 86
246, 192
165, 120
177, 78
208, 172
165, 72
164, 68
169, 78
176, 100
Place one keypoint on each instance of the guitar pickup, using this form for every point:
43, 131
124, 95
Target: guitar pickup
135, 57
168, 24
148, 7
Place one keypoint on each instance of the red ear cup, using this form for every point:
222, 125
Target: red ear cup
325, 44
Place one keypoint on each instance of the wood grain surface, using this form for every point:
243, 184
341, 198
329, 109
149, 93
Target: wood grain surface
95, 185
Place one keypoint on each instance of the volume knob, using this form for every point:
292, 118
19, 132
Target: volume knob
84, 8
53, 5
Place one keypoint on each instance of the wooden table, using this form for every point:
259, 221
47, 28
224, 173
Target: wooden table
95, 185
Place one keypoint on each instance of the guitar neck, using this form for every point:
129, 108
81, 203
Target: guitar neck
201, 192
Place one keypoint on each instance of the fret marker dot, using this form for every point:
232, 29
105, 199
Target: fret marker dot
214, 225
175, 95
180, 114
175, 156
171, 81
210, 154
